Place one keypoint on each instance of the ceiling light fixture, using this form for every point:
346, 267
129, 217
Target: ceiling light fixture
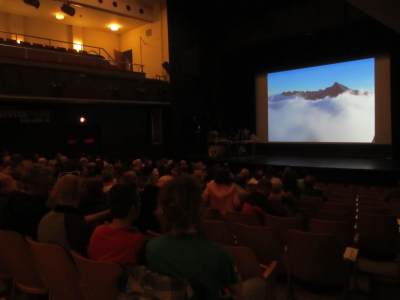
34, 3
66, 8
114, 27
59, 16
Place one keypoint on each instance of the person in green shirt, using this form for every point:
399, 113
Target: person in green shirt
182, 252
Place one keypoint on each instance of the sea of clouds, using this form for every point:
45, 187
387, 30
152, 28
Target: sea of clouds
346, 118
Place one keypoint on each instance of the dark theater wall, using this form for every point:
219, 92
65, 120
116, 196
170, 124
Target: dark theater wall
116, 131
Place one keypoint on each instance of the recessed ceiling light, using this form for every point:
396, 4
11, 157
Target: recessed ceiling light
59, 16
114, 27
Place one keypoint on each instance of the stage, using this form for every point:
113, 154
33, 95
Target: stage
342, 169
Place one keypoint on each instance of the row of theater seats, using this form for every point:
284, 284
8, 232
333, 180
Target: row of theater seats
41, 269
48, 53
313, 250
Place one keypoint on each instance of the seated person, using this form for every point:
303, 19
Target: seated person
276, 191
309, 189
119, 242
258, 199
183, 253
221, 193
65, 226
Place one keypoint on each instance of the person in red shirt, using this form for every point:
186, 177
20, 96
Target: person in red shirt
118, 241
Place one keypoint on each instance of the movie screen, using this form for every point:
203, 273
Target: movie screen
329, 103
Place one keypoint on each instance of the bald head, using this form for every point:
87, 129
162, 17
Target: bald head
66, 190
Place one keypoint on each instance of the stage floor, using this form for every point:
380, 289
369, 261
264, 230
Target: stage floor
304, 161
368, 170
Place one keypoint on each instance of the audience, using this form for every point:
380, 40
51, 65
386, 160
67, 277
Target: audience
79, 203
26, 207
118, 241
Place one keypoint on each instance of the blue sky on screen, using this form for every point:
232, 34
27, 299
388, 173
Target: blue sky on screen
356, 75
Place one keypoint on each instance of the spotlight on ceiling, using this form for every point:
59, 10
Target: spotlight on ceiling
66, 8
34, 3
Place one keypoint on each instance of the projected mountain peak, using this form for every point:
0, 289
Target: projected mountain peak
332, 91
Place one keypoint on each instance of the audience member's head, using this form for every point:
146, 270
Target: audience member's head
245, 172
153, 177
7, 168
130, 177
270, 172
222, 176
42, 161
119, 170
36, 179
180, 206
91, 170
124, 201
309, 181
66, 191
7, 184
199, 177
108, 173
289, 178
276, 185
264, 186
241, 180
183, 166
259, 173
137, 164
92, 189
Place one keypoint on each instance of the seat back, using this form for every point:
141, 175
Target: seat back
232, 218
328, 215
19, 260
370, 198
369, 192
331, 206
277, 204
395, 209
373, 203
57, 270
393, 199
246, 262
151, 234
99, 280
4, 271
318, 200
379, 236
214, 214
283, 225
218, 231
265, 243
316, 258
373, 210
343, 230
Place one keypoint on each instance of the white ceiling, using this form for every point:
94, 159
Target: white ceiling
84, 17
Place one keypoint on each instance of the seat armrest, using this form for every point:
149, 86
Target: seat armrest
356, 238
350, 254
269, 270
